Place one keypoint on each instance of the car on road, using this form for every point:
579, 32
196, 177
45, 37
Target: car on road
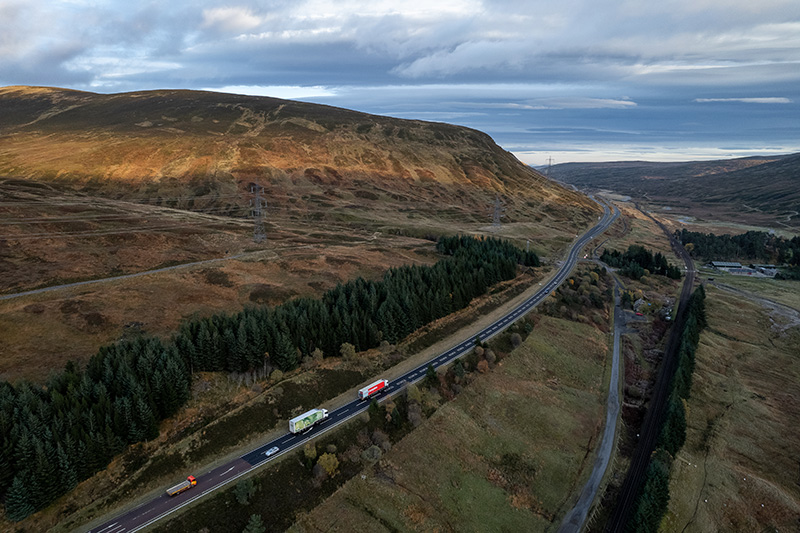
639, 314
272, 451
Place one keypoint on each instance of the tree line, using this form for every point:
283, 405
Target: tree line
653, 499
637, 260
753, 245
56, 435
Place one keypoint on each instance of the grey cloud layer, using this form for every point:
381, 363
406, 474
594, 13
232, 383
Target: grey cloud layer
623, 56
414, 40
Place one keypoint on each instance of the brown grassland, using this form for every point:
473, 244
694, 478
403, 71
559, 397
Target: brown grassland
302, 257
739, 469
505, 455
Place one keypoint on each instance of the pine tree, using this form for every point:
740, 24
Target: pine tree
673, 433
285, 356
18, 500
255, 525
67, 476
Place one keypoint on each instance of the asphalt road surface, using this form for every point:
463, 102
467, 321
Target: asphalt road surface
575, 518
160, 507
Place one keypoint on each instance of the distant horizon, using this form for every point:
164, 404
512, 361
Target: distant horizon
577, 81
599, 153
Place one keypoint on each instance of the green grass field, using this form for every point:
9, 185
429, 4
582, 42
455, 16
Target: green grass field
738, 470
505, 455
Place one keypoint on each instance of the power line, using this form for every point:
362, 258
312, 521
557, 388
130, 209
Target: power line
259, 233
108, 217
498, 211
133, 201
101, 232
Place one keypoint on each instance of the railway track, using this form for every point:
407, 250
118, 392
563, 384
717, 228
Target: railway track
654, 419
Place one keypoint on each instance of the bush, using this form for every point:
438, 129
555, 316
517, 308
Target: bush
413, 394
310, 451
347, 351
244, 490
255, 525
415, 414
329, 462
318, 473
372, 454
516, 340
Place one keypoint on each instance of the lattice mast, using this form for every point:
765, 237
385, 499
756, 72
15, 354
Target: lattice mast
259, 206
498, 211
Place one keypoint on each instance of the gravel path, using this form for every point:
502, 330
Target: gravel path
575, 518
124, 276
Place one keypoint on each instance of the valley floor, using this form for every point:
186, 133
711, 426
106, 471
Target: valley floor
739, 469
500, 457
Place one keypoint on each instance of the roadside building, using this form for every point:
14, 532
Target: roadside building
725, 266
744, 271
767, 270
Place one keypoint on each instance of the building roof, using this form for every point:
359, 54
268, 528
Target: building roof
725, 264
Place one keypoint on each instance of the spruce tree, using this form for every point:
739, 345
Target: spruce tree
255, 525
18, 500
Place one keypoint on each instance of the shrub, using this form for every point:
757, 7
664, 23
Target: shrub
310, 451
255, 525
516, 340
372, 454
244, 490
329, 462
347, 351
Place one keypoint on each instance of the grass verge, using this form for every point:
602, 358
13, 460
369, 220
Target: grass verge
738, 470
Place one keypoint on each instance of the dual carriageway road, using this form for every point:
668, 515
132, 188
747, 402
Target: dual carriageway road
160, 507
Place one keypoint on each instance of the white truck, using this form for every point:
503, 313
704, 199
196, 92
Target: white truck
307, 420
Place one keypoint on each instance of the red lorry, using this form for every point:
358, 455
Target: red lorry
186, 485
371, 389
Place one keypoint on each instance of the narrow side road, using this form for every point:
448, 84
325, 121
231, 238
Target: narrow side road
123, 276
574, 520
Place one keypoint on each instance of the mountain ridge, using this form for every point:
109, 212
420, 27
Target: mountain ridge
766, 185
241, 135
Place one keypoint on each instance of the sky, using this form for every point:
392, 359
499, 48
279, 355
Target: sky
572, 80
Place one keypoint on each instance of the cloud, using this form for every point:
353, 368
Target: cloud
291, 92
230, 19
576, 103
762, 100
503, 66
596, 152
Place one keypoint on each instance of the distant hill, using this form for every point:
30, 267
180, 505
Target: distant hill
764, 184
168, 142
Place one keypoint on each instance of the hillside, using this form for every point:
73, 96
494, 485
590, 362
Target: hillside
93, 186
169, 143
766, 189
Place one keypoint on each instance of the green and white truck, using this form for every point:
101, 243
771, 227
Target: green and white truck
307, 420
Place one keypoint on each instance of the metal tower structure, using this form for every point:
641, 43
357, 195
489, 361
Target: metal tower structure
498, 211
259, 205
